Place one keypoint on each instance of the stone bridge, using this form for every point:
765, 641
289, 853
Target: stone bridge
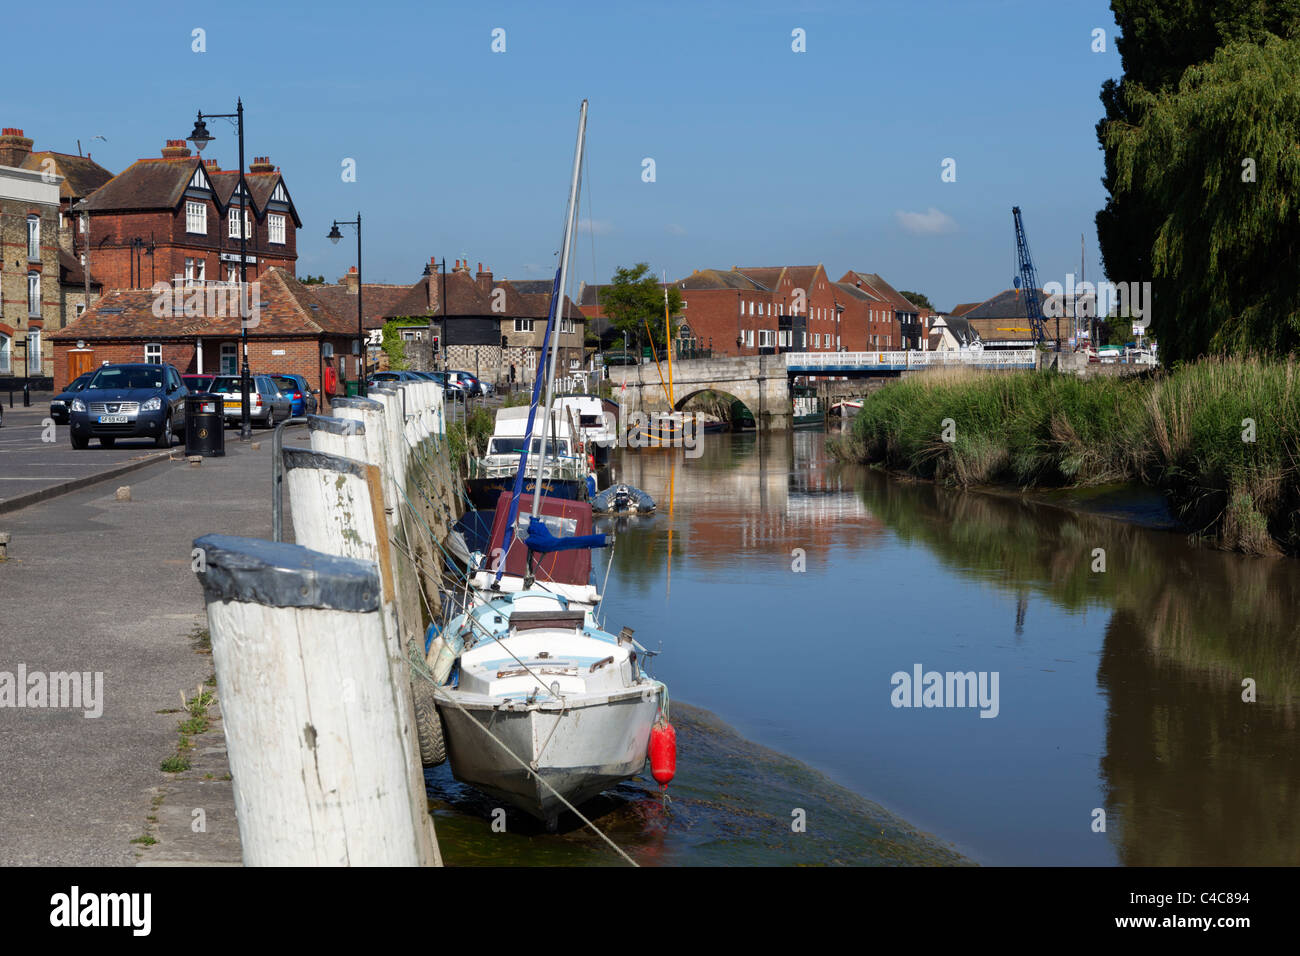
762, 382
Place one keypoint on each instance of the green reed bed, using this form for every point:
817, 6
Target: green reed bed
1185, 432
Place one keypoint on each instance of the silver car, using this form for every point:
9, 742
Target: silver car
267, 404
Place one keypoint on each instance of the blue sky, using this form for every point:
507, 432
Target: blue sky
763, 156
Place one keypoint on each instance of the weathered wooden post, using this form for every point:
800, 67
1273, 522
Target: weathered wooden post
338, 509
338, 436
317, 756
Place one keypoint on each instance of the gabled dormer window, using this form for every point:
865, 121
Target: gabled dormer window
196, 218
199, 180
280, 195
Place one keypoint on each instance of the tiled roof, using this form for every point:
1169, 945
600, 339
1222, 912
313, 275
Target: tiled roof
145, 184
286, 308
882, 290
466, 297
81, 174
377, 301
720, 279
1008, 304
856, 292
963, 308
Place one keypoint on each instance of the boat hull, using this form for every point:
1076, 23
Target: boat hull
484, 492
580, 750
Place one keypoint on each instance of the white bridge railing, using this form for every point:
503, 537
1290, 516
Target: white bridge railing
1020, 358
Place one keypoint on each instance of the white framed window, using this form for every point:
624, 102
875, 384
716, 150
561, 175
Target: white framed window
81, 307
234, 224
153, 353
760, 308
33, 238
34, 362
195, 269
817, 340
81, 223
196, 217
523, 325
6, 353
275, 229
751, 308
232, 273
229, 358
765, 338
34, 294
63, 222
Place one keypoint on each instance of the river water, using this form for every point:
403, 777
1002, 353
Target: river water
787, 591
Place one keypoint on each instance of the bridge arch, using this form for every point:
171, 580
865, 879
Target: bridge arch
725, 401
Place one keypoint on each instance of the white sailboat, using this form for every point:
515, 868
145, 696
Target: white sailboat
540, 705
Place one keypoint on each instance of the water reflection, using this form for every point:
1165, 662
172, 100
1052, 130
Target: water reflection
1122, 689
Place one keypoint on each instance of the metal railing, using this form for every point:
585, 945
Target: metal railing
1025, 358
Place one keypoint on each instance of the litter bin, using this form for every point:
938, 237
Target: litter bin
205, 425
352, 388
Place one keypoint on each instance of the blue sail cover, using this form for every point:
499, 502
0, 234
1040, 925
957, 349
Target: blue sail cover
540, 538
528, 433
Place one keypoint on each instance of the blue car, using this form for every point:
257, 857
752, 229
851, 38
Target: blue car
296, 387
137, 400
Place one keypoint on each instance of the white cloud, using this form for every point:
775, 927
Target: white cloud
928, 223
596, 227
676, 230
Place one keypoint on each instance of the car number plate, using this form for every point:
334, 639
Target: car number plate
112, 419
234, 406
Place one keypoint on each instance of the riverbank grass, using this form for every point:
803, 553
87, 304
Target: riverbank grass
1220, 437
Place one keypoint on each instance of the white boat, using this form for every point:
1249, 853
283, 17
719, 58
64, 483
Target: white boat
539, 705
566, 470
539, 679
597, 425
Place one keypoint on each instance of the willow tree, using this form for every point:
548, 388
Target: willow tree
1215, 161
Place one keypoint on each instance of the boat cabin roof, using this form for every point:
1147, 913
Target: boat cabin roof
564, 567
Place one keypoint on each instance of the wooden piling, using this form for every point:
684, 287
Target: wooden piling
313, 714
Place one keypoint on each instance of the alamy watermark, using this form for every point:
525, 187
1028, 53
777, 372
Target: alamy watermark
77, 690
209, 300
1129, 300
923, 688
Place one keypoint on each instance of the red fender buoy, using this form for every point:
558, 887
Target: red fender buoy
663, 751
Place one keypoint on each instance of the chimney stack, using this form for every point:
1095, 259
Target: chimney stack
484, 280
261, 164
14, 147
176, 149
433, 283
350, 280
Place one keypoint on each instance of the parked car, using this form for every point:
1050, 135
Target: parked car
453, 390
129, 400
59, 404
198, 382
296, 387
266, 403
470, 383
395, 375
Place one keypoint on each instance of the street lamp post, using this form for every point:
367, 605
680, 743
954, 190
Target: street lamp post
334, 237
200, 137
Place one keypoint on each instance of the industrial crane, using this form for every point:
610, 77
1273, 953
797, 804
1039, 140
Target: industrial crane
1028, 282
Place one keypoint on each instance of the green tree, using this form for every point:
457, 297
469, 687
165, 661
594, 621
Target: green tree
918, 300
634, 298
1158, 41
312, 280
1216, 166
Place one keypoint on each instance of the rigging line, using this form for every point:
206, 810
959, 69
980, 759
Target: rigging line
529, 770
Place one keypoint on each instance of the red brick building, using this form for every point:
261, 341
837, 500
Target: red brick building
179, 217
298, 330
906, 330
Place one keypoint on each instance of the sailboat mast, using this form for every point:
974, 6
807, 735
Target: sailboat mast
668, 330
559, 306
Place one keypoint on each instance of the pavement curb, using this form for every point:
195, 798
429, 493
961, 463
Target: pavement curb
76, 484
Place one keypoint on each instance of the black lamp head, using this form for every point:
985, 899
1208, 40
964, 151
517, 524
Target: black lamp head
334, 235
200, 136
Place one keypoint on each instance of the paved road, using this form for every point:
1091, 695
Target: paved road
94, 584
29, 463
